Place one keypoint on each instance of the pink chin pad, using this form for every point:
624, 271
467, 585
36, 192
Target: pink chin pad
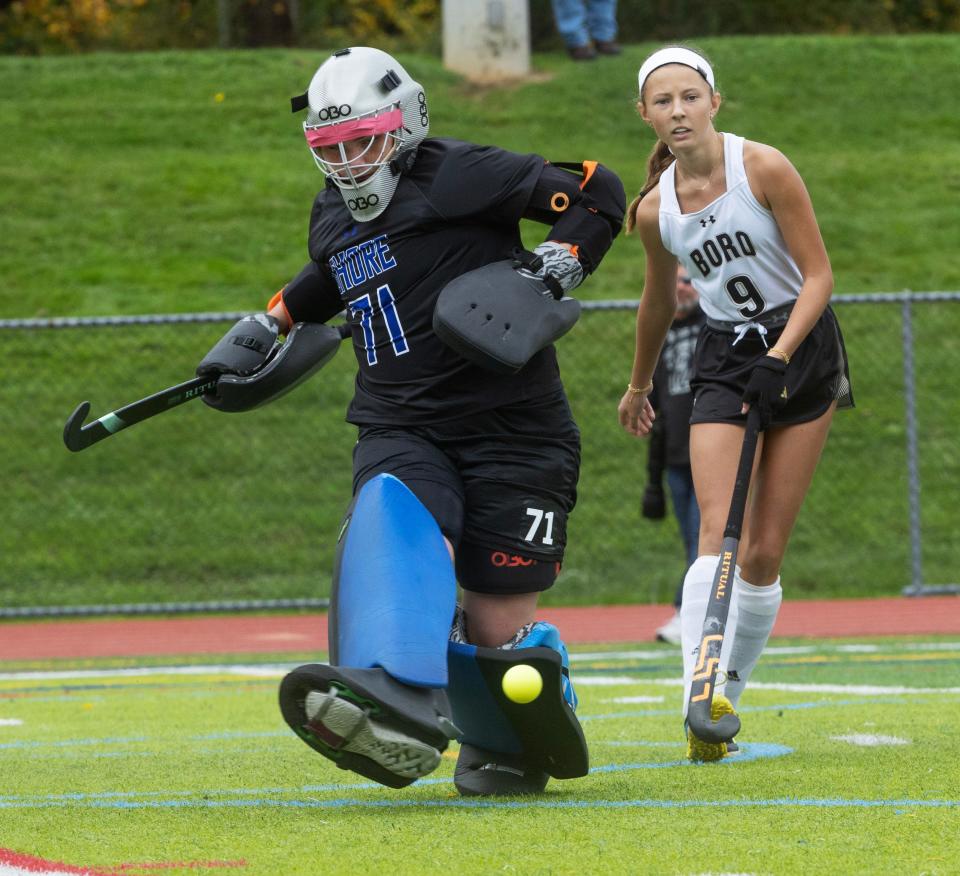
328, 135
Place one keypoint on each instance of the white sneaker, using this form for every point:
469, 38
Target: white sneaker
345, 726
670, 631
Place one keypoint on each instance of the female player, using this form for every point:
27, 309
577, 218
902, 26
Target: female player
458, 470
738, 218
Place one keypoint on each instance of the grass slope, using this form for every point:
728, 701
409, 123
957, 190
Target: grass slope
130, 187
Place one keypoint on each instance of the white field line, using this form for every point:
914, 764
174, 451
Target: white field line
870, 740
660, 653
258, 670
867, 690
778, 650
277, 670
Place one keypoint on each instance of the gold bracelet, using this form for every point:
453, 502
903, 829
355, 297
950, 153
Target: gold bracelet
636, 390
783, 354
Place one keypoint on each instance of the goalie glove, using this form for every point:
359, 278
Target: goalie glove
554, 265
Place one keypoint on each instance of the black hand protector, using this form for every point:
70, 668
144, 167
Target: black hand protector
585, 213
766, 389
243, 349
308, 347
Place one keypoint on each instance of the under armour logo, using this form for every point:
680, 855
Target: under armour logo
350, 232
711, 219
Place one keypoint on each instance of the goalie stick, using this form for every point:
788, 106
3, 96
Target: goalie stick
78, 436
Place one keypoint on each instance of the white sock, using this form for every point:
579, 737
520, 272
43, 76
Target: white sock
693, 609
757, 612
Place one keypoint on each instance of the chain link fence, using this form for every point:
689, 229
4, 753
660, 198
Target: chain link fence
198, 509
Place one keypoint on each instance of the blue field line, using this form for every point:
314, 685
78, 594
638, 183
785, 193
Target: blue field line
125, 740
185, 685
237, 734
68, 743
135, 799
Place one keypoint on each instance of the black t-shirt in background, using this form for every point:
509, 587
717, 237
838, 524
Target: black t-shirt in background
672, 399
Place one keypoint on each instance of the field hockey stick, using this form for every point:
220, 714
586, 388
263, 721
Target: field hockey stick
78, 436
702, 690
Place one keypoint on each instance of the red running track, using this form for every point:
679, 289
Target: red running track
265, 634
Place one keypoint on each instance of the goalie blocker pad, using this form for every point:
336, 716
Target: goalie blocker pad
545, 731
498, 319
308, 347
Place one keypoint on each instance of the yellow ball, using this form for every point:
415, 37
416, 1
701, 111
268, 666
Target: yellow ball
522, 683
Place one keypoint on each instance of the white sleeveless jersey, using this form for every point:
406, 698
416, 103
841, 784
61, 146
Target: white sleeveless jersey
732, 248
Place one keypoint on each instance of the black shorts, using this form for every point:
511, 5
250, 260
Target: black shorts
817, 376
501, 482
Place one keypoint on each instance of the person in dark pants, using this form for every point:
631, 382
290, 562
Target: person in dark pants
669, 449
461, 475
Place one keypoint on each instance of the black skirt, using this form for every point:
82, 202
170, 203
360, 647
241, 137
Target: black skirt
817, 376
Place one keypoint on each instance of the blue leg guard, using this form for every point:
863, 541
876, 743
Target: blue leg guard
396, 591
379, 707
544, 733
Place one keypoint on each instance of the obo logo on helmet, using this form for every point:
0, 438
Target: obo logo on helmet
328, 113
363, 203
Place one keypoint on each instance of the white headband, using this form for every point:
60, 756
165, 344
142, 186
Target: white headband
675, 55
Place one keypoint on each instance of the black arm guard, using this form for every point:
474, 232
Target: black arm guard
586, 213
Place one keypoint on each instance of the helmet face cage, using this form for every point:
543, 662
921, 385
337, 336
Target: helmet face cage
348, 172
363, 109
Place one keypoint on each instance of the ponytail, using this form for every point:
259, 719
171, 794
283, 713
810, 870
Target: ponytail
660, 159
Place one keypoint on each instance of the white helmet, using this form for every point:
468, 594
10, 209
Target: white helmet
362, 92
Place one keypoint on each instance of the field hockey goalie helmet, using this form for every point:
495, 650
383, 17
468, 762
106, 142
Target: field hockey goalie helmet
363, 94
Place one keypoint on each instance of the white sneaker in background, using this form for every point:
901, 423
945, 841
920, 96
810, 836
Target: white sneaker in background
670, 631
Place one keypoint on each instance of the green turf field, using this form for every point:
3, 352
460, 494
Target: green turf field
849, 765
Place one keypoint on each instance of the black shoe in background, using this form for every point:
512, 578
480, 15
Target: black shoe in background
607, 47
585, 52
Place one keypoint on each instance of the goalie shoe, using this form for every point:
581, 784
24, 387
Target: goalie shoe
348, 728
